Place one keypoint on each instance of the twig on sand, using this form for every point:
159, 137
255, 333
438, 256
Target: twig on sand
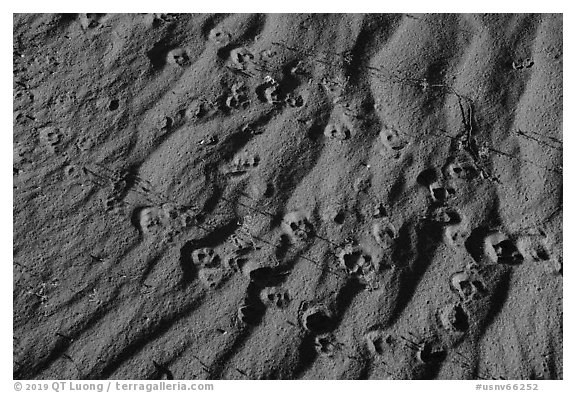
539, 141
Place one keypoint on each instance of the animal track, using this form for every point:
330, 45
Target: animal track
454, 318
276, 297
337, 130
234, 262
50, 136
441, 192
298, 226
377, 341
90, 21
211, 277
444, 215
392, 142
242, 163
294, 100
150, 220
205, 257
519, 65
538, 249
241, 58
499, 248
316, 319
468, 285
269, 91
219, 37
456, 235
249, 314
179, 57
354, 260
431, 352
462, 167
325, 345
384, 233
237, 98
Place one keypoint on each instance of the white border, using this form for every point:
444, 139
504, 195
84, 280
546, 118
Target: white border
295, 6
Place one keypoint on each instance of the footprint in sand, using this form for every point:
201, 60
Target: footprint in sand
178, 57
454, 318
444, 215
297, 225
431, 352
354, 260
468, 285
276, 297
337, 130
325, 345
441, 191
150, 220
211, 277
461, 167
393, 143
205, 257
317, 319
250, 314
339, 125
384, 232
237, 97
456, 235
219, 37
241, 59
499, 248
377, 341
241, 164
235, 261
269, 91
537, 248
51, 137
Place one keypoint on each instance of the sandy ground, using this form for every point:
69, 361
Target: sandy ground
287, 196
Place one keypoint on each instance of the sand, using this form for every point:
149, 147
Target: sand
287, 196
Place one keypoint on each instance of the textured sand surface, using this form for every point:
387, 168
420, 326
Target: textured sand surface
287, 196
